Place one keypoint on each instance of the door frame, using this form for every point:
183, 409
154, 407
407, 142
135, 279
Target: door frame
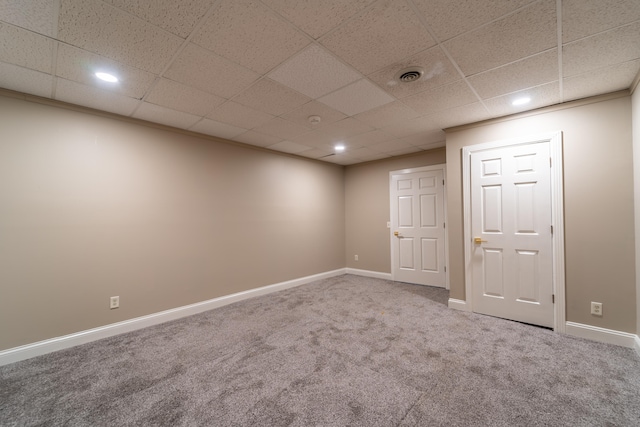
392, 215
557, 216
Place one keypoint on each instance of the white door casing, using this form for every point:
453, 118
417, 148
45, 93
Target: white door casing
418, 238
512, 197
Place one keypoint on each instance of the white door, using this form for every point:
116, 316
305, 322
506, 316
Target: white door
511, 251
418, 228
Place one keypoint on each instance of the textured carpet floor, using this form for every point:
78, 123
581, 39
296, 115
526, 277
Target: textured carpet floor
342, 351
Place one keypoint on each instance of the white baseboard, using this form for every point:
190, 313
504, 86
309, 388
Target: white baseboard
595, 333
367, 273
636, 344
59, 343
458, 304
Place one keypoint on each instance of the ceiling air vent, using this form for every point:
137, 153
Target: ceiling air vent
410, 74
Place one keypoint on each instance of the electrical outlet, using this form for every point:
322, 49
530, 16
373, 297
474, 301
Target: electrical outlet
356, 257
596, 308
114, 302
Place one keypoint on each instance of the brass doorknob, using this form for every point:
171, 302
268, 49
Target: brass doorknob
478, 240
396, 233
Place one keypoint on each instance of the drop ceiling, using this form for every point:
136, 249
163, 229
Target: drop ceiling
254, 71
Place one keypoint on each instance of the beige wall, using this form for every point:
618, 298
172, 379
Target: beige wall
598, 197
368, 208
635, 114
91, 207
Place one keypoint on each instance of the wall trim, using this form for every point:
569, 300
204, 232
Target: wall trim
39, 348
458, 304
368, 273
608, 336
636, 344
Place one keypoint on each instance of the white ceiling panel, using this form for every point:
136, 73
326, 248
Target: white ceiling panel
248, 33
80, 66
180, 97
533, 71
25, 48
93, 97
317, 17
357, 97
35, 15
271, 97
612, 47
449, 18
177, 17
289, 147
314, 72
255, 70
582, 18
103, 29
213, 128
529, 31
25, 80
379, 36
158, 114
209, 72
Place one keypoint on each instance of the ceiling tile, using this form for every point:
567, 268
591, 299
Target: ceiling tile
24, 80
92, 97
409, 127
366, 154
100, 28
315, 153
258, 139
541, 96
34, 15
317, 139
433, 145
80, 66
441, 98
282, 129
289, 147
177, 17
386, 114
357, 97
389, 28
177, 96
449, 18
403, 151
343, 159
301, 115
367, 139
470, 113
317, 17
524, 33
207, 71
438, 71
390, 146
604, 80
532, 71
25, 49
238, 115
601, 50
157, 114
271, 97
345, 128
425, 138
213, 128
248, 33
314, 72
582, 18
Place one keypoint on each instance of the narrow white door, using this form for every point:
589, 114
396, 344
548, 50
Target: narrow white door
512, 257
418, 228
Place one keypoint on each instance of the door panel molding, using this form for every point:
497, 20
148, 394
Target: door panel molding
557, 213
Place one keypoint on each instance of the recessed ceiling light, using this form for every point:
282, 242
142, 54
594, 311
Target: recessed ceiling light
339, 148
107, 77
521, 101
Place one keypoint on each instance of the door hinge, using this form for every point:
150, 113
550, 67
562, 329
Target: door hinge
445, 269
444, 225
550, 162
443, 182
553, 298
552, 229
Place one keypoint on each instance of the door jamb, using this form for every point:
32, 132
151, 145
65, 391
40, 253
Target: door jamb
557, 216
443, 168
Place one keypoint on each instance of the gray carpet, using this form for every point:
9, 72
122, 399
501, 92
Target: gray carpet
342, 351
